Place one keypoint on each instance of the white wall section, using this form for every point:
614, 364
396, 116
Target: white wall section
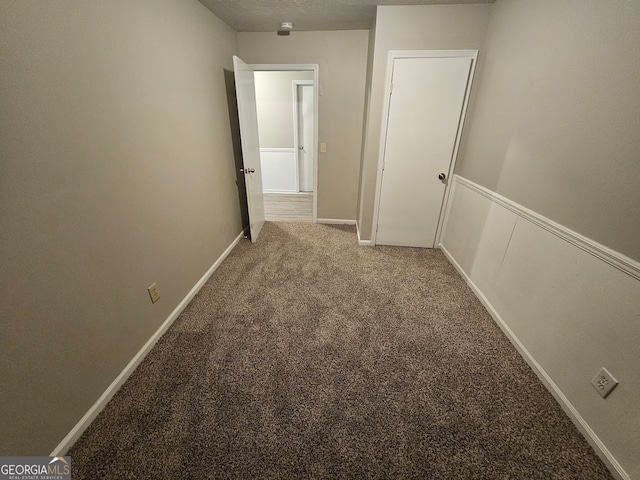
274, 98
279, 169
562, 300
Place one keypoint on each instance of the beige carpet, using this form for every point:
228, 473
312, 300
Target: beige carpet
306, 356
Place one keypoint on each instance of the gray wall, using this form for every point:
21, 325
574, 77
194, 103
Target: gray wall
116, 171
342, 56
274, 102
425, 27
557, 119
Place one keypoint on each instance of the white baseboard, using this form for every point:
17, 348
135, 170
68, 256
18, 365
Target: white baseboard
336, 221
75, 433
599, 447
362, 243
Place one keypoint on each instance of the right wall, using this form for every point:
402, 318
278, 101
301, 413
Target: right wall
544, 215
556, 122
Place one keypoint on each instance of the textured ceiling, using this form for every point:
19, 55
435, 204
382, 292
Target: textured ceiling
266, 15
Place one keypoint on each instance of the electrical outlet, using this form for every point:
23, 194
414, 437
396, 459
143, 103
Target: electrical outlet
154, 293
323, 148
604, 382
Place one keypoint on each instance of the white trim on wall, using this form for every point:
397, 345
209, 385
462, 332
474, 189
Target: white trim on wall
392, 56
362, 243
315, 68
615, 259
75, 433
296, 139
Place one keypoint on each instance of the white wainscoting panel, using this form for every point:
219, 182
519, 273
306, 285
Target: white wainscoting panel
279, 169
570, 307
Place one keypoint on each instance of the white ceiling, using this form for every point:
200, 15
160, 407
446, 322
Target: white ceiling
266, 15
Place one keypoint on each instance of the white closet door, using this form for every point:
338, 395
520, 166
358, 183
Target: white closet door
425, 111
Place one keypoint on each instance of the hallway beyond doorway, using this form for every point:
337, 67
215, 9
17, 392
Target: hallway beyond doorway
288, 207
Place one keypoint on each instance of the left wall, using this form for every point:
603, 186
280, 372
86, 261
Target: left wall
116, 171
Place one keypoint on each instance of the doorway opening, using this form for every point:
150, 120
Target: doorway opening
286, 104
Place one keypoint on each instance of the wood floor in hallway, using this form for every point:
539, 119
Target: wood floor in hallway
288, 207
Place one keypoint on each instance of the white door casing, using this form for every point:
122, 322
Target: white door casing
305, 135
248, 118
428, 94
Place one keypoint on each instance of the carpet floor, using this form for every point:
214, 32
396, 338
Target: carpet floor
307, 356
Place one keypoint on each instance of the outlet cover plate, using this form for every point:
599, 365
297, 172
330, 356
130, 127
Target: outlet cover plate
154, 293
604, 383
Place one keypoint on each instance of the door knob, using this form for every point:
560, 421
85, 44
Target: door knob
300, 147
247, 170
443, 178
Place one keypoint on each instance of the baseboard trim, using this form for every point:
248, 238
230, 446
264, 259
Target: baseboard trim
336, 221
591, 437
362, 243
616, 259
75, 433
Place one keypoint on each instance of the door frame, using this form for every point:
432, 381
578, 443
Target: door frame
392, 56
296, 112
315, 68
